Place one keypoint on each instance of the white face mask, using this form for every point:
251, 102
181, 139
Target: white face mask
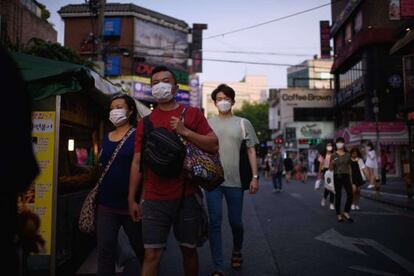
162, 92
118, 117
329, 148
340, 145
224, 106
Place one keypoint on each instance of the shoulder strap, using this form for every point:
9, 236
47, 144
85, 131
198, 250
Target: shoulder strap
114, 154
243, 128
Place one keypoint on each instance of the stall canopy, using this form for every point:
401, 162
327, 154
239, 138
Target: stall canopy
48, 77
390, 133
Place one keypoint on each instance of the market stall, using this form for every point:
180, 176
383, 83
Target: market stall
69, 115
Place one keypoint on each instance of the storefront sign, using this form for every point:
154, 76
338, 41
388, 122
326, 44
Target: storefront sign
161, 45
351, 91
325, 39
39, 197
306, 97
112, 27
195, 97
113, 66
145, 69
407, 8
314, 130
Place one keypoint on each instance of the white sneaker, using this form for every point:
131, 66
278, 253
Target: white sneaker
370, 186
357, 207
352, 207
323, 202
331, 207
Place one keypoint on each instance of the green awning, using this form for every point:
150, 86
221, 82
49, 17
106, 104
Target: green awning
46, 77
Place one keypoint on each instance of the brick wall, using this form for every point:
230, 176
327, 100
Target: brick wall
22, 24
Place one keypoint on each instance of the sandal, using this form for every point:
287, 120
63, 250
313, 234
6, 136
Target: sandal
236, 260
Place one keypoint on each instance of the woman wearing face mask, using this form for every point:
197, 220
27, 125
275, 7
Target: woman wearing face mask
228, 129
112, 200
372, 164
325, 161
358, 176
341, 165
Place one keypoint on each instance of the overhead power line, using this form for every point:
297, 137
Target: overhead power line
271, 21
258, 53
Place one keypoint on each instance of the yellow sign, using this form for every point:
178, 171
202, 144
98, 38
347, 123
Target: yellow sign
39, 197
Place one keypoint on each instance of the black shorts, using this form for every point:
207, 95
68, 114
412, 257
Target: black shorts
159, 216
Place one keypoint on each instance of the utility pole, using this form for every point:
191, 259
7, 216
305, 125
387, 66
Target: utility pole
101, 19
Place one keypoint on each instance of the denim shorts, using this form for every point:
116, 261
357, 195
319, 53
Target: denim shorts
160, 215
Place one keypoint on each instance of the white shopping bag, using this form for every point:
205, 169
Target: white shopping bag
329, 181
317, 184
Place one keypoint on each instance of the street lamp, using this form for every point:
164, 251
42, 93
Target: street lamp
375, 109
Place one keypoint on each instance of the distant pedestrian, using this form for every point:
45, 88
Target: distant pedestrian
358, 176
228, 129
277, 170
167, 201
324, 163
288, 163
304, 169
267, 163
113, 192
341, 165
371, 163
384, 167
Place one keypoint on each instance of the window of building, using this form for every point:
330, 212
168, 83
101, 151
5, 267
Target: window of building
352, 75
358, 22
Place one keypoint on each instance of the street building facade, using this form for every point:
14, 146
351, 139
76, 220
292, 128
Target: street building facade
22, 20
252, 89
301, 120
135, 41
314, 74
369, 88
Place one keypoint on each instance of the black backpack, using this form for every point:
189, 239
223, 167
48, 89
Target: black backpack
163, 151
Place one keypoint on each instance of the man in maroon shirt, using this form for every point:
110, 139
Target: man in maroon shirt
160, 208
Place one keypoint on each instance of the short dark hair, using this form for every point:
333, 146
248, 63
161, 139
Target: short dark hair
162, 68
133, 119
358, 152
340, 140
227, 90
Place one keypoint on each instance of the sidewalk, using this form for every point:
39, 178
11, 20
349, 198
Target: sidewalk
393, 193
255, 244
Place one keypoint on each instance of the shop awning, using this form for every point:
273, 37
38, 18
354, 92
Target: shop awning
390, 133
46, 77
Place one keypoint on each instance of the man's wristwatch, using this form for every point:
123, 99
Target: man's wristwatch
256, 176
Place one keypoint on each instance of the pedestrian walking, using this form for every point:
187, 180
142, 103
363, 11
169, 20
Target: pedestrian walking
371, 163
324, 164
169, 200
358, 176
267, 161
277, 170
228, 129
341, 165
303, 169
288, 163
112, 200
384, 167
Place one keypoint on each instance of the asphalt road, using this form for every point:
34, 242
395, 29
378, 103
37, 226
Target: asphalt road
289, 233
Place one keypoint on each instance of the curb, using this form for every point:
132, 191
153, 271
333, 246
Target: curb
406, 204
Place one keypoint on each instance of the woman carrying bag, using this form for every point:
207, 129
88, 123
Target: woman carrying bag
112, 197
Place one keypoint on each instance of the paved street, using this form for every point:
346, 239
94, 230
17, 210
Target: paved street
289, 233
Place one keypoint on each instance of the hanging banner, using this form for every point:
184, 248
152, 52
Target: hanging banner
38, 197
